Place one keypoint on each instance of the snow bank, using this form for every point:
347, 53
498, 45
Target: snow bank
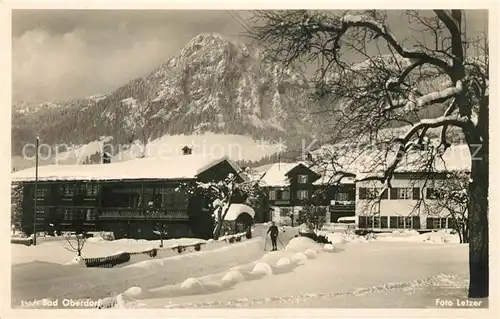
329, 247
299, 258
283, 261
310, 253
262, 268
78, 262
301, 244
192, 286
234, 276
298, 251
444, 236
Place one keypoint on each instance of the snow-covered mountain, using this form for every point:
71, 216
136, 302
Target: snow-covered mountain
213, 86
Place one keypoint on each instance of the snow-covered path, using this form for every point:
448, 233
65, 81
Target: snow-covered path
322, 282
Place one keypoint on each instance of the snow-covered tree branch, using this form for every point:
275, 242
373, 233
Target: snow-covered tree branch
418, 87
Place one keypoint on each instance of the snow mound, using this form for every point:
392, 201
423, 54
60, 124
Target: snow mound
210, 240
133, 292
283, 261
300, 244
329, 247
233, 276
193, 286
78, 262
94, 239
262, 268
299, 258
310, 253
336, 238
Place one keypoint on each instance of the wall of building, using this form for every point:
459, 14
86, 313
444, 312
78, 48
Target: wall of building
421, 206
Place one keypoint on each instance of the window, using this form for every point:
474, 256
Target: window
42, 191
92, 189
285, 195
302, 194
405, 193
371, 221
405, 222
272, 195
342, 197
372, 193
436, 223
432, 193
67, 190
285, 212
302, 179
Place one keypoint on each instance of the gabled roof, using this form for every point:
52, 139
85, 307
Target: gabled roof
178, 167
278, 173
365, 161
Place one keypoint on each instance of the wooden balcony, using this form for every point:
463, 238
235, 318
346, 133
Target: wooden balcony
134, 214
343, 207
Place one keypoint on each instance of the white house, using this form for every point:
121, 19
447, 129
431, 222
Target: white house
409, 203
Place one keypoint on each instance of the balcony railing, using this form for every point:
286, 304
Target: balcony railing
134, 214
343, 206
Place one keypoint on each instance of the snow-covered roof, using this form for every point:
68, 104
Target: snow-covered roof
364, 161
236, 209
276, 174
178, 167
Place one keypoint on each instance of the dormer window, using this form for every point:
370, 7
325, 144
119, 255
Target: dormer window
302, 179
186, 150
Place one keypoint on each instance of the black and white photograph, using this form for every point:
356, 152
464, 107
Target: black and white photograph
250, 159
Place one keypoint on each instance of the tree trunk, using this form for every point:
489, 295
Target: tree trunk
478, 227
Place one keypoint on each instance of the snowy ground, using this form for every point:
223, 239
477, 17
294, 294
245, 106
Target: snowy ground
393, 270
331, 279
54, 252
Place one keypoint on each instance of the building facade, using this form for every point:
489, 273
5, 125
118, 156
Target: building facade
291, 186
131, 199
408, 204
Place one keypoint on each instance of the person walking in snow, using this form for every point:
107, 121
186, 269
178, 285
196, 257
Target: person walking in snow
273, 231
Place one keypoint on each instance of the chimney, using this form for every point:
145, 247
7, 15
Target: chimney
106, 158
186, 150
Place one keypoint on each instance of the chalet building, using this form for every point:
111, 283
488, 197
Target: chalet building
290, 186
410, 202
130, 198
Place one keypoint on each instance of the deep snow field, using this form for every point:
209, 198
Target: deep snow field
243, 274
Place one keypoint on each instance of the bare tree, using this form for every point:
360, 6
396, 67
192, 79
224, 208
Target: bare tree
74, 243
224, 194
451, 197
397, 81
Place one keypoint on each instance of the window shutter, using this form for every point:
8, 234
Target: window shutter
385, 194
384, 222
362, 193
362, 221
429, 193
393, 221
451, 223
394, 193
416, 222
416, 193
429, 223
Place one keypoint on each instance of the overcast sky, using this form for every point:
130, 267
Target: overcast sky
61, 54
